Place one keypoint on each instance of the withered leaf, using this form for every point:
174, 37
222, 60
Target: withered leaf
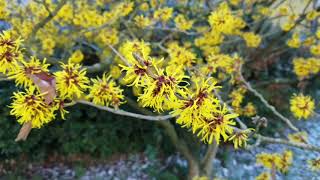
24, 131
47, 85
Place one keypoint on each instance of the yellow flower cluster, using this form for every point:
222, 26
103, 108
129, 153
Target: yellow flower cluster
105, 92
209, 42
237, 97
81, 18
10, 52
161, 93
264, 176
182, 23
142, 21
224, 62
252, 40
30, 106
71, 81
280, 162
46, 93
196, 108
3, 10
163, 14
304, 68
302, 106
76, 57
240, 138
222, 20
314, 164
203, 113
299, 137
295, 41
180, 56
24, 74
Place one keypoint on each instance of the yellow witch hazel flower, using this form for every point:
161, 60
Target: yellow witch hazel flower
240, 138
314, 164
135, 74
299, 137
315, 50
23, 74
199, 106
281, 162
222, 20
203, 113
237, 97
180, 56
263, 176
10, 53
295, 41
225, 62
140, 47
142, 21
182, 23
304, 68
30, 106
161, 93
249, 110
71, 81
252, 40
220, 125
105, 92
163, 14
302, 106
76, 57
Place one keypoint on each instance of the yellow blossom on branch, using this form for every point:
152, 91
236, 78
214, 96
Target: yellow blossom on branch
71, 81
240, 138
30, 106
182, 23
105, 92
10, 52
302, 106
263, 176
76, 57
24, 74
314, 164
161, 93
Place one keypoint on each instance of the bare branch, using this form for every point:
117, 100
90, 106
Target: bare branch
286, 142
125, 113
119, 54
265, 102
209, 157
43, 22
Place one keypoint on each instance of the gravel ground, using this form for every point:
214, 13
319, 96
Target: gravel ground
131, 169
240, 165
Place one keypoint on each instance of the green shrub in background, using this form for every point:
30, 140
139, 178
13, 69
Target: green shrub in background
87, 130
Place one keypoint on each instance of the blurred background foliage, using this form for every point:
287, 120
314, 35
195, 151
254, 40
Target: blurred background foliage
101, 134
86, 131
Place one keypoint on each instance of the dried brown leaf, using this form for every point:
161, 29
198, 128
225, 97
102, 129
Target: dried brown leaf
47, 85
24, 131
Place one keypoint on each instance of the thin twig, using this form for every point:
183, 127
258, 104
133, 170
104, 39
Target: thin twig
126, 113
43, 22
286, 142
174, 30
265, 102
119, 55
